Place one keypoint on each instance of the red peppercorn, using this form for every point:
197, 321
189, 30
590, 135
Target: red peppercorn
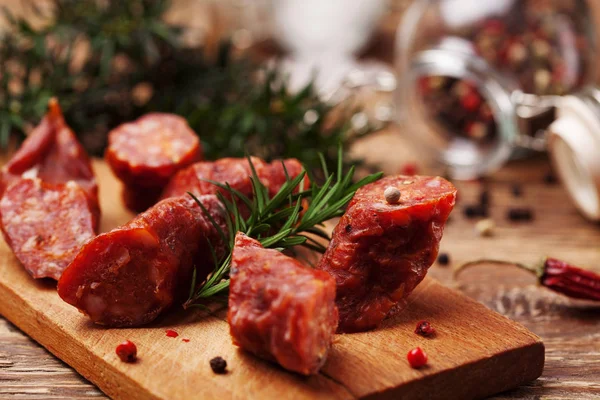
127, 351
424, 328
185, 340
409, 169
417, 357
172, 333
471, 102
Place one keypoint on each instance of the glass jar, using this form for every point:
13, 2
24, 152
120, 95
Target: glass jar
478, 81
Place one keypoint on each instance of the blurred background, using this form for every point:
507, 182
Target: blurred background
468, 85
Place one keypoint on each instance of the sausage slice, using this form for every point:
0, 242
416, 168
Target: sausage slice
279, 309
379, 252
128, 276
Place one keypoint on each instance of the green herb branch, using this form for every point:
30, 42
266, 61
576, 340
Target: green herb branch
136, 63
290, 218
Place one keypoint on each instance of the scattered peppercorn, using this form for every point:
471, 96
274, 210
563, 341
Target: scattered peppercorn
417, 357
484, 198
171, 333
475, 211
517, 190
520, 214
409, 169
185, 340
550, 179
424, 328
127, 351
392, 195
218, 365
443, 259
485, 227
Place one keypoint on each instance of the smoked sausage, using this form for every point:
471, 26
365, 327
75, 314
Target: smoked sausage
52, 153
279, 309
128, 276
379, 252
46, 224
49, 205
237, 172
146, 153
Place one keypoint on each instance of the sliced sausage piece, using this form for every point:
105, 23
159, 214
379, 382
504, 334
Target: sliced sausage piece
379, 252
53, 154
234, 171
149, 151
128, 276
274, 175
46, 224
279, 309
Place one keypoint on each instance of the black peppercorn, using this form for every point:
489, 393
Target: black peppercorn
550, 179
517, 190
443, 259
520, 214
218, 365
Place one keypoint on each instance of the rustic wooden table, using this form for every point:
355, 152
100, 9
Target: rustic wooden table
571, 331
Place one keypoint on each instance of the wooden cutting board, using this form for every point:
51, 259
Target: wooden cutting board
476, 352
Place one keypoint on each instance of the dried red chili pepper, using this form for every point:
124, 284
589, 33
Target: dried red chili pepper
558, 276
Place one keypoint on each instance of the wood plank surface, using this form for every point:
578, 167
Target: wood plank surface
475, 353
570, 330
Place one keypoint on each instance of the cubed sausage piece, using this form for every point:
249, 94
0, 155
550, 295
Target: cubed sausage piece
47, 224
236, 172
128, 276
52, 153
150, 150
195, 179
274, 175
380, 252
279, 309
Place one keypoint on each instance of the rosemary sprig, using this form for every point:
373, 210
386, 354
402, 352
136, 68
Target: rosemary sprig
286, 220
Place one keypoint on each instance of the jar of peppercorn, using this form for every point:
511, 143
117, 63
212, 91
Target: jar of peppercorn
479, 81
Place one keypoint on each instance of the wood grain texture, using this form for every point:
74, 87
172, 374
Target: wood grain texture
570, 330
484, 351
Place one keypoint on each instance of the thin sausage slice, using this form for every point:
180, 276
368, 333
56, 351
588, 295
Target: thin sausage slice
379, 252
52, 153
279, 309
46, 224
146, 153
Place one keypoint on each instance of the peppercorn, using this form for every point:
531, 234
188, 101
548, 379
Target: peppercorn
417, 357
484, 198
409, 169
485, 227
127, 351
424, 328
550, 179
392, 195
443, 259
517, 190
520, 214
475, 211
218, 365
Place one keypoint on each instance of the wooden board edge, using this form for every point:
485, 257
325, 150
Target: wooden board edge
526, 365
13, 308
